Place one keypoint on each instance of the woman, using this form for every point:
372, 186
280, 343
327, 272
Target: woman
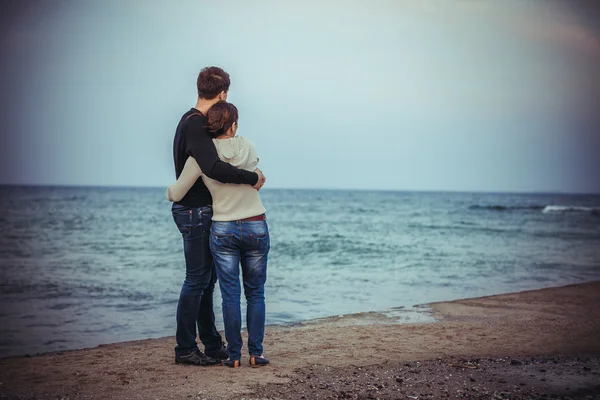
239, 234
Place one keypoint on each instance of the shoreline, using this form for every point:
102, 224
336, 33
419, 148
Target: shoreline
421, 313
417, 314
549, 322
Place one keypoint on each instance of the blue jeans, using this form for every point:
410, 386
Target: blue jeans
195, 307
246, 243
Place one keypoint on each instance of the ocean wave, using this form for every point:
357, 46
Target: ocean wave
469, 228
499, 207
565, 209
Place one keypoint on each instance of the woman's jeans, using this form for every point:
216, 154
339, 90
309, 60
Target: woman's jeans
246, 243
195, 307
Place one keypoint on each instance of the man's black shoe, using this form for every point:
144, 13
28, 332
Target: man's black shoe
196, 357
219, 354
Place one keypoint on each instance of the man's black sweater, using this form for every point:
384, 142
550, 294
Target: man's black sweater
192, 139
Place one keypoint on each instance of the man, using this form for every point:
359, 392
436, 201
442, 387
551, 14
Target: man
193, 218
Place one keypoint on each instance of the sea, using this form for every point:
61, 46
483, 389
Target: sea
83, 266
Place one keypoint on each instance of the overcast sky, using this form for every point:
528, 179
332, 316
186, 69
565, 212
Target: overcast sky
400, 94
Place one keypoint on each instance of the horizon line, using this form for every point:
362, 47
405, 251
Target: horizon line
49, 185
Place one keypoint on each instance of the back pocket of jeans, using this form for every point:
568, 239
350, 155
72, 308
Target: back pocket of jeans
221, 236
261, 241
183, 220
221, 242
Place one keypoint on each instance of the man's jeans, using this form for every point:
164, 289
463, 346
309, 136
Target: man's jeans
196, 298
246, 243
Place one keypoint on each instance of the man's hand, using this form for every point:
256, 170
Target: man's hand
261, 179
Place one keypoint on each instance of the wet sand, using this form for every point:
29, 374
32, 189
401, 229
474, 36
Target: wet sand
523, 345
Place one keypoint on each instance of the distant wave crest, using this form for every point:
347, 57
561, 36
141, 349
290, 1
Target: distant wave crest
564, 209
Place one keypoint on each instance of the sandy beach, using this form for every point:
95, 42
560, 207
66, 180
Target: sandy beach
533, 344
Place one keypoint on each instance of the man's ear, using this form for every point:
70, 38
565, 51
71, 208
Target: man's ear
223, 96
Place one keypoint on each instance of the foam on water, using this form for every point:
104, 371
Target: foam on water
559, 209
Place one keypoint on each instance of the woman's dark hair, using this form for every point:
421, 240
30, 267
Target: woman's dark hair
212, 81
221, 116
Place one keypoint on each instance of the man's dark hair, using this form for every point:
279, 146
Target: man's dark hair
211, 82
220, 118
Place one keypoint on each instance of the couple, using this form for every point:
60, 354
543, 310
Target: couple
221, 218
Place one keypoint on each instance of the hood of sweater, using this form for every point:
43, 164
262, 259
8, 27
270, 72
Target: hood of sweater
235, 150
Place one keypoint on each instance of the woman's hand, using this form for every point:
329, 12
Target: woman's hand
261, 179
